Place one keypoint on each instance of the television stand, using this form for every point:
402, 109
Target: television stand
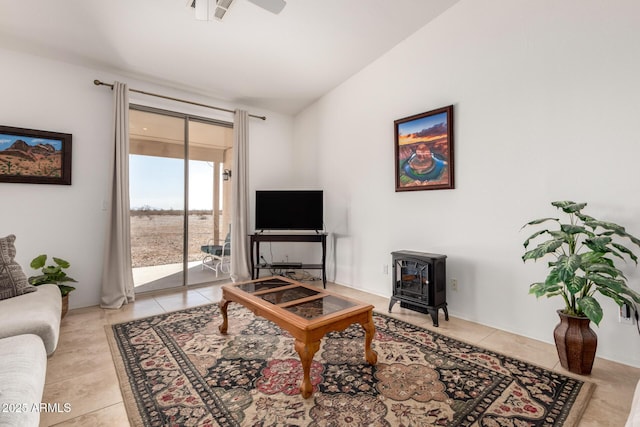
286, 264
257, 238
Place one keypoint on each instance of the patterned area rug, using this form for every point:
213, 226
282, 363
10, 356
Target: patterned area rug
177, 369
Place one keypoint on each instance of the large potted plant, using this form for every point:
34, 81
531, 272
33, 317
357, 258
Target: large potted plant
583, 252
53, 273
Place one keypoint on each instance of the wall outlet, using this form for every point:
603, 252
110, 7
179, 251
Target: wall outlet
385, 269
625, 315
454, 284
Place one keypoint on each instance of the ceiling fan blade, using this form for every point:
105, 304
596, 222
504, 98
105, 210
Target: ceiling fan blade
202, 9
273, 6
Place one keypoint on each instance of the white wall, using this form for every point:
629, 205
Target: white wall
68, 221
546, 100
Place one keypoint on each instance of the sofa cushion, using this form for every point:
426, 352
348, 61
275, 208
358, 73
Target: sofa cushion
13, 281
23, 367
33, 313
633, 420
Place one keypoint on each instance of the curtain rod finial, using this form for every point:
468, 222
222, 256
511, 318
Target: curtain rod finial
97, 82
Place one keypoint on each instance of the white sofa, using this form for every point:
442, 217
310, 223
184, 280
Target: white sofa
23, 365
29, 331
633, 420
35, 313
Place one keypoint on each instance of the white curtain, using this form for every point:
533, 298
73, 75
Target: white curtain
240, 268
117, 278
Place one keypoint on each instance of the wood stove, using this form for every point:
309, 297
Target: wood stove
419, 282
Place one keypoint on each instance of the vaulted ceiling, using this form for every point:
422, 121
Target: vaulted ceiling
281, 62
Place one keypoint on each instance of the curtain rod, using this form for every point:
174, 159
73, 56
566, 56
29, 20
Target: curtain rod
98, 83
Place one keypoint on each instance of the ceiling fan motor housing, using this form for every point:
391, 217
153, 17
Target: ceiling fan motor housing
207, 10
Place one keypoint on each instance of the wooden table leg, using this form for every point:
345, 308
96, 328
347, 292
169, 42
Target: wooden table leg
223, 309
369, 332
306, 352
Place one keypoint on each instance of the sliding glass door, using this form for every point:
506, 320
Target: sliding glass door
210, 153
177, 197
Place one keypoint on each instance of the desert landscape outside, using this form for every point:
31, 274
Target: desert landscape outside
157, 236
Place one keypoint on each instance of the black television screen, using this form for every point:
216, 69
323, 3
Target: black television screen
289, 210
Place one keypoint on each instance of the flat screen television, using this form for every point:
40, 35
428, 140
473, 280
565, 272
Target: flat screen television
289, 210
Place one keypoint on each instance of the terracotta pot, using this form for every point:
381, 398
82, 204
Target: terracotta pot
65, 306
576, 343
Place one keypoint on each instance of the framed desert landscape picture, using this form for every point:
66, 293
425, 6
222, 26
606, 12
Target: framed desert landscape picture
34, 156
424, 151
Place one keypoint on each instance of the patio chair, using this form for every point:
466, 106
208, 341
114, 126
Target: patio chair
217, 257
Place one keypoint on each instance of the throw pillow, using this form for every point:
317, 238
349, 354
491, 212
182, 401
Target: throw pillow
13, 281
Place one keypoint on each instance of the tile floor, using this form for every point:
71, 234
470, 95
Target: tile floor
81, 371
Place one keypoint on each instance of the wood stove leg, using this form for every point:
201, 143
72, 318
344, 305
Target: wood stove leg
306, 352
391, 303
225, 323
434, 315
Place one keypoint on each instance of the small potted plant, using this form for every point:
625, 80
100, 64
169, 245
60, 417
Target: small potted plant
583, 252
54, 274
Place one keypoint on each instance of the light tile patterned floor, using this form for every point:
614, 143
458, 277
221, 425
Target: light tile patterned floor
81, 371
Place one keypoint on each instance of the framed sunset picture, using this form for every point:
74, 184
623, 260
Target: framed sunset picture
34, 156
424, 151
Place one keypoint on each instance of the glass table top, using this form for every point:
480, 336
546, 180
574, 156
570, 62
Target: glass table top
252, 287
313, 303
319, 307
277, 296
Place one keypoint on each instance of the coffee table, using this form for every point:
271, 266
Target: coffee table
305, 311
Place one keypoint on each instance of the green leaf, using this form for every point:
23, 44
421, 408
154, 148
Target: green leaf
619, 299
39, 280
576, 284
600, 280
626, 250
533, 236
39, 262
552, 278
575, 229
591, 308
567, 266
559, 291
539, 221
584, 217
560, 235
616, 253
569, 207
539, 289
51, 270
598, 244
589, 258
627, 301
594, 223
605, 269
634, 239
626, 290
64, 289
62, 263
542, 249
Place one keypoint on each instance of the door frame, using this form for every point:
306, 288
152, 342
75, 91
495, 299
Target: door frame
216, 204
